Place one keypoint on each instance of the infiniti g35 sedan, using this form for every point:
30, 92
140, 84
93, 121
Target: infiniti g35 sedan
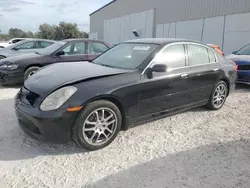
131, 83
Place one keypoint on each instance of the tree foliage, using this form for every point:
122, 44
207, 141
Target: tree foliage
61, 31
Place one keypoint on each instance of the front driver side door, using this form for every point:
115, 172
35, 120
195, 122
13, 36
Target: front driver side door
167, 90
74, 51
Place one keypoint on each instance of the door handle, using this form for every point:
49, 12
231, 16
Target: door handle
216, 70
184, 76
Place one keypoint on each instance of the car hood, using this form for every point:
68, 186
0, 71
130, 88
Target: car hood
4, 44
239, 58
57, 75
7, 52
20, 57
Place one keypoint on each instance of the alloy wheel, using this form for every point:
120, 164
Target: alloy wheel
219, 95
99, 126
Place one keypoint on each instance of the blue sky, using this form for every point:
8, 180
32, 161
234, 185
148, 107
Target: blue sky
29, 14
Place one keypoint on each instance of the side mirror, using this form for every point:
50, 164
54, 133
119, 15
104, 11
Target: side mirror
159, 68
156, 68
60, 53
234, 52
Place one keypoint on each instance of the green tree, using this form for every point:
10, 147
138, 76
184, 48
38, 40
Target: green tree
46, 31
15, 32
83, 35
61, 31
66, 30
30, 34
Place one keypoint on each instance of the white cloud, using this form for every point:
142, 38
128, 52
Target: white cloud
29, 14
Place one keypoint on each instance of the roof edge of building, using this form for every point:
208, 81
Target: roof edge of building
102, 7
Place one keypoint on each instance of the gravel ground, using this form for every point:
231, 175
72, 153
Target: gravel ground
198, 148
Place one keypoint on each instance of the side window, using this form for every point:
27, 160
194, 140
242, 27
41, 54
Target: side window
173, 56
44, 44
27, 45
212, 57
77, 48
15, 41
96, 48
197, 55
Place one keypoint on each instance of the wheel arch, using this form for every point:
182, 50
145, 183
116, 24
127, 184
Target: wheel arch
32, 65
226, 80
115, 100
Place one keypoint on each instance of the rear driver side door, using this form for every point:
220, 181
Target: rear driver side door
206, 71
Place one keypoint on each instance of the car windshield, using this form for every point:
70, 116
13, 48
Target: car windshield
126, 55
52, 48
244, 51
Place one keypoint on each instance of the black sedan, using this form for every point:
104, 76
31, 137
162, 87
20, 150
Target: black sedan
25, 46
132, 82
15, 70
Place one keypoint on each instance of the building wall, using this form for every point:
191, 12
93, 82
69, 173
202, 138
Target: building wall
119, 29
230, 32
182, 18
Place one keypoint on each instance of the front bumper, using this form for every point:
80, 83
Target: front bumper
54, 126
243, 76
11, 77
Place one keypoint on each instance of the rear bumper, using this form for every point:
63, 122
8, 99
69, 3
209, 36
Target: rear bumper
11, 77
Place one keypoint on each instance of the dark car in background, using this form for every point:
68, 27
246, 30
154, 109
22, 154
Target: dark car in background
242, 60
132, 82
25, 46
16, 69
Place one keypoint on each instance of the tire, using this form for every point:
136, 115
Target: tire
29, 72
80, 134
211, 103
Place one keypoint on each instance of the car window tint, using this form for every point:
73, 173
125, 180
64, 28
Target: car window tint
96, 48
27, 45
244, 51
126, 55
173, 56
45, 44
197, 55
75, 48
15, 41
212, 57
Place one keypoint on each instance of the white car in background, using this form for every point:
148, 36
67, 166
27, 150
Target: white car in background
10, 42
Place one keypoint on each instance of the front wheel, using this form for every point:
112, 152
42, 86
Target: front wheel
30, 71
218, 96
97, 125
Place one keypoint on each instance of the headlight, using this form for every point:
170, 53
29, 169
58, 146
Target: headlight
57, 98
8, 66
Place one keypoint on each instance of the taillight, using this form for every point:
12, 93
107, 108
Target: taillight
235, 66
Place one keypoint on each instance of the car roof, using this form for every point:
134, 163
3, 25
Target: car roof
82, 39
160, 40
34, 39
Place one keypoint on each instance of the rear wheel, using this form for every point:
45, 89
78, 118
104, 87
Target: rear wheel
29, 72
97, 125
218, 96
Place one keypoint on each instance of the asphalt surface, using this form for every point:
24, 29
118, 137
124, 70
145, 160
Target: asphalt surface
198, 148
